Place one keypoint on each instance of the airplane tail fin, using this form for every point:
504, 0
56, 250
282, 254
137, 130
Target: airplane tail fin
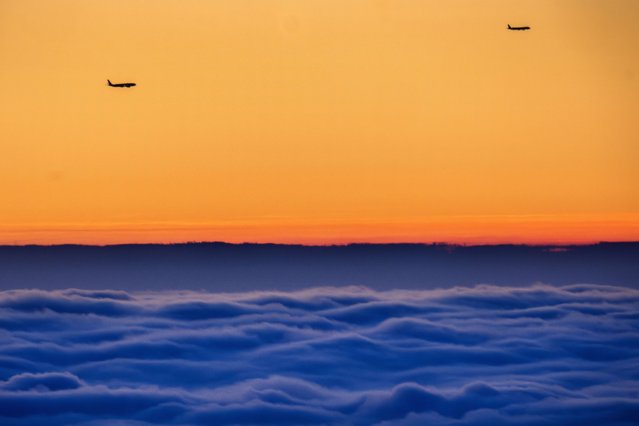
509, 27
109, 81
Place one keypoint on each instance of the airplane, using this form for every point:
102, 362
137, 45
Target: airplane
121, 84
518, 28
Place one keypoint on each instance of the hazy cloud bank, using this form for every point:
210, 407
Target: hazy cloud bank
463, 356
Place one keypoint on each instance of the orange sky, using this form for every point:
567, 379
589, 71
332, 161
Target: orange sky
319, 121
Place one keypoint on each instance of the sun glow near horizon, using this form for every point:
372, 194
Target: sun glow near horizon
466, 230
319, 121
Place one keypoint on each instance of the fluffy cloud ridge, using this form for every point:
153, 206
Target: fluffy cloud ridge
483, 355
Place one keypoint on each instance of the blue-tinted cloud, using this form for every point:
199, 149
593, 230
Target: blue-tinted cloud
462, 356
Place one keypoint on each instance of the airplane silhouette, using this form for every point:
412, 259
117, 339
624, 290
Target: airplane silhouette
121, 84
518, 28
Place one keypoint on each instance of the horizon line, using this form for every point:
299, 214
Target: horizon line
328, 245
466, 230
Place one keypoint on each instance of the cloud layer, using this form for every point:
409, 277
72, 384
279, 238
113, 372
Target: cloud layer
480, 355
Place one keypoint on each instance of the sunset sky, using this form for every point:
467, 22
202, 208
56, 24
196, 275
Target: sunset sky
319, 121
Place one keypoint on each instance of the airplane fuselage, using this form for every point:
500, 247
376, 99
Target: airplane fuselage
121, 84
518, 28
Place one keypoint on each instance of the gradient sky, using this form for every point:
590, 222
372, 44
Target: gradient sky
319, 121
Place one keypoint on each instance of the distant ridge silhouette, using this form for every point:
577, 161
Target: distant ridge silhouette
239, 267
